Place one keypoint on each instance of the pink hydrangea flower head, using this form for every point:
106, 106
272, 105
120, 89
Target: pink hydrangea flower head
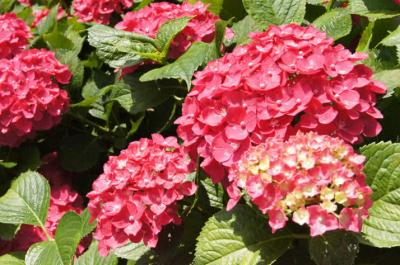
397, 2
14, 35
30, 97
148, 20
313, 179
138, 192
98, 11
287, 79
62, 200
25, 2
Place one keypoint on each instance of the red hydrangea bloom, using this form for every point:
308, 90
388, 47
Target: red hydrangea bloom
25, 2
138, 192
148, 20
288, 79
98, 11
397, 2
315, 179
42, 13
62, 200
14, 35
30, 97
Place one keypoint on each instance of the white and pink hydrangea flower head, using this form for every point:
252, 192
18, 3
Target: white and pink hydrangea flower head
138, 192
313, 179
287, 79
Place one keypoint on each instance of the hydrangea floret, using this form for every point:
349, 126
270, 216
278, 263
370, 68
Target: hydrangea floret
138, 192
287, 79
98, 11
14, 35
313, 179
30, 97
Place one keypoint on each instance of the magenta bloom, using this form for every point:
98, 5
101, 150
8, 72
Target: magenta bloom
98, 11
42, 13
314, 179
288, 79
14, 35
30, 97
148, 20
138, 192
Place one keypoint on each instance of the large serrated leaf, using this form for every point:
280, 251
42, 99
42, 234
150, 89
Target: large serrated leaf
215, 193
27, 200
43, 253
336, 23
392, 39
278, 12
68, 235
243, 28
87, 226
119, 48
184, 67
92, 257
382, 228
132, 251
168, 31
238, 237
334, 248
374, 10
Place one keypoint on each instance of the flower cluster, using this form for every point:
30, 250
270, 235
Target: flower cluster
138, 192
62, 200
14, 35
98, 11
148, 20
317, 180
288, 79
30, 98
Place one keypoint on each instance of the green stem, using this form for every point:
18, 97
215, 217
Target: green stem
330, 4
83, 119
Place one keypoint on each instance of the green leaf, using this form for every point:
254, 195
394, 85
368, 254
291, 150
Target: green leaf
8, 231
119, 48
68, 235
122, 93
374, 10
243, 28
215, 193
184, 67
6, 5
168, 31
392, 39
132, 251
390, 78
80, 152
382, 227
87, 226
48, 23
334, 248
92, 257
43, 253
56, 40
278, 12
27, 200
70, 59
11, 259
336, 23
366, 37
89, 100
7, 164
238, 237
316, 2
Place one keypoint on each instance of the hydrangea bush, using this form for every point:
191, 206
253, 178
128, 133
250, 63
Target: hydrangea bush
222, 132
